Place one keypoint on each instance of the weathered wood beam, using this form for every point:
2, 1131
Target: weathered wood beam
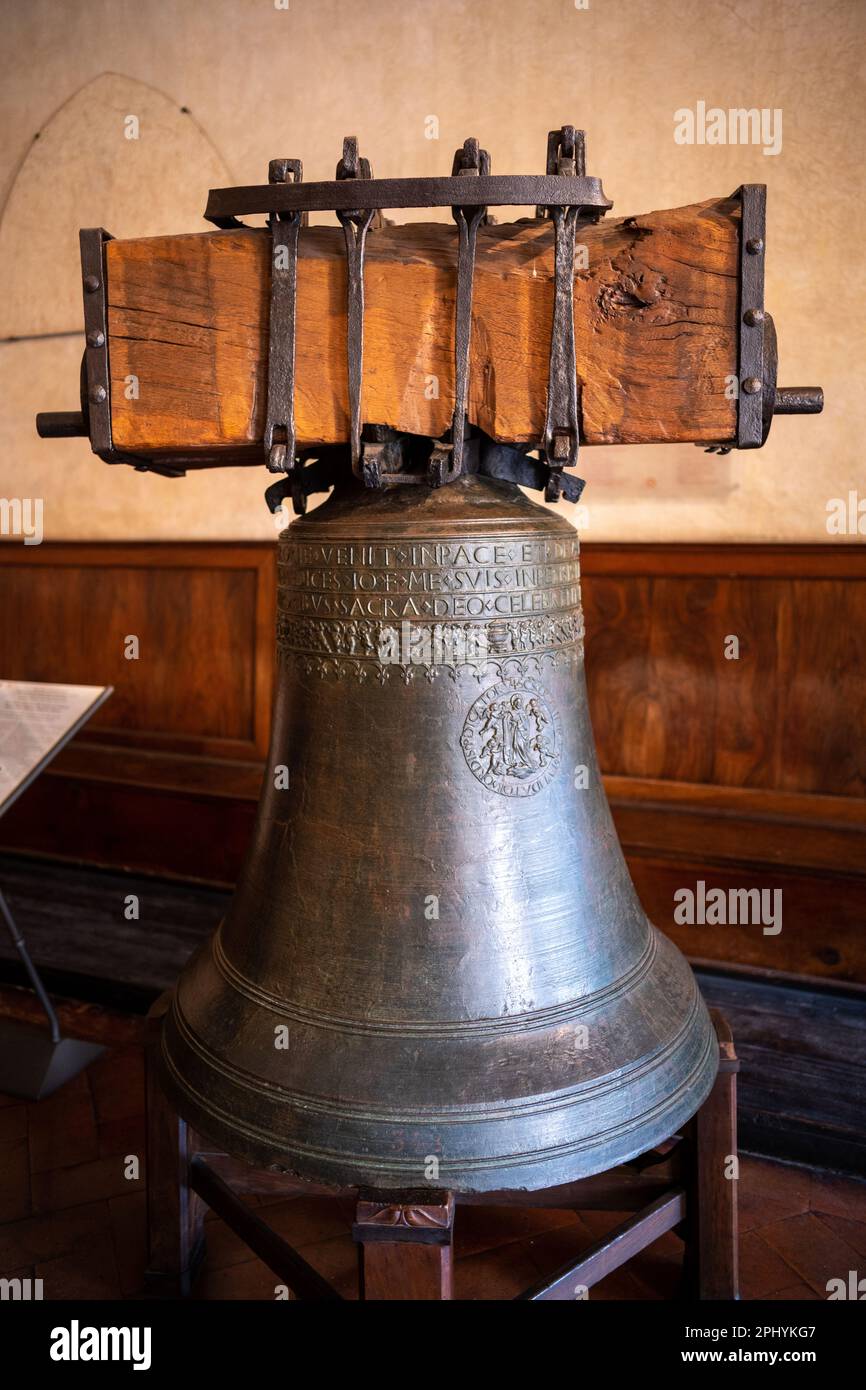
655, 324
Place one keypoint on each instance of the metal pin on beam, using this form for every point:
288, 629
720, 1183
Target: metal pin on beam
61, 424
798, 400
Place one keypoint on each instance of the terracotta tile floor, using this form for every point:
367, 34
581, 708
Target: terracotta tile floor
72, 1216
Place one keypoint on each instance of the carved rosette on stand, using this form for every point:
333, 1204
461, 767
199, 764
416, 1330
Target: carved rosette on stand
435, 971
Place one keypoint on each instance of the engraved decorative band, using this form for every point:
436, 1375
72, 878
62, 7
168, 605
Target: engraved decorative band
363, 640
554, 1016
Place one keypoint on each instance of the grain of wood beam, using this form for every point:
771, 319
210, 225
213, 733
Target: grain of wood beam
655, 324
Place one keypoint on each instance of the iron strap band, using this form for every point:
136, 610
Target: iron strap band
751, 430
470, 163
98, 377
353, 171
359, 195
95, 367
281, 355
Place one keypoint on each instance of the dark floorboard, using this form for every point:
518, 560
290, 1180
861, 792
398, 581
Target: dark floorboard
75, 922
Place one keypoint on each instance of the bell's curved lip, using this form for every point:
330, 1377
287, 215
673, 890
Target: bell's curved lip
554, 1164
485, 1112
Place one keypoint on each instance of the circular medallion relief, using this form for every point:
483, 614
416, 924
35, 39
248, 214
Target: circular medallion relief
511, 738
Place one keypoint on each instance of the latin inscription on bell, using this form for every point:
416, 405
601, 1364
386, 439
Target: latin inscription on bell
479, 606
511, 738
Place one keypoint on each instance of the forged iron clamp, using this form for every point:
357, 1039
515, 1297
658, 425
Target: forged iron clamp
563, 193
566, 156
758, 398
280, 436
398, 459
355, 221
446, 461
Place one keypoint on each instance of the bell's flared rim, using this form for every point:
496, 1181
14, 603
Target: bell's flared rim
534, 1142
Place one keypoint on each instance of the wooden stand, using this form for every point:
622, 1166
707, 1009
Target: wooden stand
405, 1240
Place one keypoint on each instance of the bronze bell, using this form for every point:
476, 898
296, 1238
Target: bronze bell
435, 970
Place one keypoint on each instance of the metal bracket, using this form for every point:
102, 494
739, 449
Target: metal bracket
758, 397
319, 475
566, 156
92, 241
489, 190
750, 368
355, 222
280, 435
446, 462
391, 459
512, 465
96, 371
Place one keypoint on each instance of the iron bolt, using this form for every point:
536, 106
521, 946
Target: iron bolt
91, 283
97, 395
755, 245
752, 385
96, 339
753, 317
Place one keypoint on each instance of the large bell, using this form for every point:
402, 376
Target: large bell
435, 970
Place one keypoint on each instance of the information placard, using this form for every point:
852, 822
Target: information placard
36, 719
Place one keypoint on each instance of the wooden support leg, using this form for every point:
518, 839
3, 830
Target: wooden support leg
711, 1240
175, 1214
405, 1248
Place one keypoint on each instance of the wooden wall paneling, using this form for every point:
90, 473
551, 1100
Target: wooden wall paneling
203, 615
714, 824
789, 714
821, 735
674, 707
166, 778
821, 916
197, 836
802, 1081
743, 774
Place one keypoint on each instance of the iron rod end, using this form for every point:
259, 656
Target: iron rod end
799, 400
61, 424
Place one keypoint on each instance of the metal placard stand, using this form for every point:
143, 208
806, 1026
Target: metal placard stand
36, 721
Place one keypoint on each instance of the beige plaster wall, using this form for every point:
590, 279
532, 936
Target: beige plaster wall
261, 81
